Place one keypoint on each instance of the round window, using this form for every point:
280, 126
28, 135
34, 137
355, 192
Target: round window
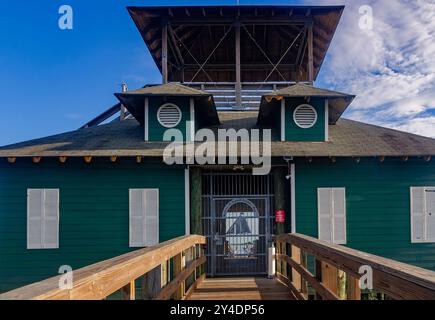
305, 116
169, 115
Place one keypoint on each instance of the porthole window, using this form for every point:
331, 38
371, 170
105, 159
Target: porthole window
305, 116
169, 115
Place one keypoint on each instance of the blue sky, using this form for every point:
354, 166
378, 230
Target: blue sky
53, 81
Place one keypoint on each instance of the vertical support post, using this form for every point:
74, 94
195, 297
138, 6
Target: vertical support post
165, 52
187, 200
192, 120
326, 120
310, 54
296, 277
283, 120
353, 289
195, 201
179, 264
318, 271
279, 187
238, 67
128, 292
330, 277
145, 119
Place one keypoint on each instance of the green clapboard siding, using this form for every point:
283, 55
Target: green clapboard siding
156, 130
94, 212
293, 132
377, 203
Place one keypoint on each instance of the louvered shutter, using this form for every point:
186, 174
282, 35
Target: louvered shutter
144, 217
50, 224
418, 214
339, 215
137, 222
151, 217
324, 198
35, 213
430, 214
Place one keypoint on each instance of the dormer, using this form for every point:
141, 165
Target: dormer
302, 112
170, 106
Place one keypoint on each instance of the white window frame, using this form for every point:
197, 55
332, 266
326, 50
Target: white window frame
332, 210
43, 244
425, 239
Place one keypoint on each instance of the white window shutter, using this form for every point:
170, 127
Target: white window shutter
151, 217
324, 199
418, 199
430, 215
50, 224
339, 215
35, 212
136, 218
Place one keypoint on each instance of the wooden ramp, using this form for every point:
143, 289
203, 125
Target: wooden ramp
241, 289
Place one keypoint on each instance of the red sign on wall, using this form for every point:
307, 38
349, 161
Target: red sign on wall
280, 216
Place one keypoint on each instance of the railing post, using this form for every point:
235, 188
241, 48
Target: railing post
330, 277
179, 264
128, 292
353, 288
318, 271
296, 277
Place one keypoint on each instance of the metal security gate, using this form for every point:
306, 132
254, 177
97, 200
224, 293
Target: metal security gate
237, 222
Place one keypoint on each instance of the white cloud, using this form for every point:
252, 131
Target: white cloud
390, 68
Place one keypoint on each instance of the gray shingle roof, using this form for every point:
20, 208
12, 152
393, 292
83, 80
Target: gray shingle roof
168, 89
347, 138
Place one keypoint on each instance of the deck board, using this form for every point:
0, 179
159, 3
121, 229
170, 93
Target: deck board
242, 289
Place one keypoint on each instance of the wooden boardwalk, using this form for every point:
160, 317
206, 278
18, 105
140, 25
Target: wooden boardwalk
241, 289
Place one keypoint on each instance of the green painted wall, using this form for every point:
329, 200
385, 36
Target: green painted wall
94, 212
293, 132
378, 203
156, 130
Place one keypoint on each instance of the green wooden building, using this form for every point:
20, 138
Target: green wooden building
84, 196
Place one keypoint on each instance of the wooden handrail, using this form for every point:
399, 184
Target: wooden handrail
102, 279
395, 279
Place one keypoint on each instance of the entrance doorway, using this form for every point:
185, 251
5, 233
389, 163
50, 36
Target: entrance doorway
238, 222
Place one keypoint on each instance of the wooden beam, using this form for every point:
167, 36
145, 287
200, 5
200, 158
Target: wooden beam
165, 53
99, 280
36, 159
238, 68
88, 159
353, 289
310, 53
179, 263
12, 159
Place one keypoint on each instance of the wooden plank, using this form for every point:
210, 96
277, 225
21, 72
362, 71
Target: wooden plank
296, 277
102, 279
128, 292
320, 288
310, 46
178, 282
194, 286
398, 280
330, 277
179, 262
353, 290
165, 53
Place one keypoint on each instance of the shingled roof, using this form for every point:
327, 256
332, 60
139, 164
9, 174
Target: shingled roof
338, 101
125, 138
168, 89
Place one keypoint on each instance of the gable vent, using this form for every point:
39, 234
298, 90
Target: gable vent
305, 116
169, 115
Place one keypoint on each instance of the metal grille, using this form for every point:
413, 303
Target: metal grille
237, 222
